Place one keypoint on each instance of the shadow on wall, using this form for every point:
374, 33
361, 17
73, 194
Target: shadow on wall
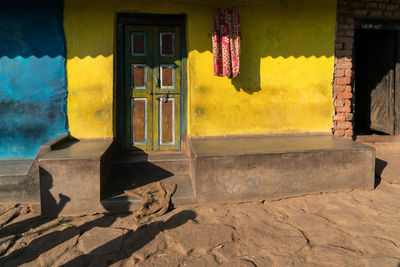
282, 29
49, 205
32, 76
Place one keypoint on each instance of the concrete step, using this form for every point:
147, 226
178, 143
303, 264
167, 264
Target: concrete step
141, 165
15, 167
15, 182
118, 201
72, 177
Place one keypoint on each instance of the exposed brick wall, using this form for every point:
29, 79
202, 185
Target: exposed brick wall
343, 90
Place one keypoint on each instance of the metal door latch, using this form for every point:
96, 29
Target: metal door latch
165, 98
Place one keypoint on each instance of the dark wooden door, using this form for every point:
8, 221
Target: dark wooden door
152, 87
375, 67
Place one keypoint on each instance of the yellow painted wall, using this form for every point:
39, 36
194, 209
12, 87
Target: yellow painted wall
286, 66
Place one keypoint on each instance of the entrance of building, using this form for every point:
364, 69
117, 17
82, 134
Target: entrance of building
376, 80
152, 84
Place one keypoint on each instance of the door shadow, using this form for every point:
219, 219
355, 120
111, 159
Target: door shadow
133, 170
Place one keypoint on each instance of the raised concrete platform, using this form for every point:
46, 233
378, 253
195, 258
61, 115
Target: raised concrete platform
19, 179
84, 177
244, 168
16, 185
15, 166
72, 177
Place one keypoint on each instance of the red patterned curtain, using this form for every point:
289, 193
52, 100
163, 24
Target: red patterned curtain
226, 42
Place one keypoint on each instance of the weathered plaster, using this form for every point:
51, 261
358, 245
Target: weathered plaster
32, 76
285, 84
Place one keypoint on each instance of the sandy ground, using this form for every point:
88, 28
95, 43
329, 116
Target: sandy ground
358, 228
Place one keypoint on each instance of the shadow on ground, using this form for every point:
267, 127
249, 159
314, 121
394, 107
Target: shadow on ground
121, 247
380, 165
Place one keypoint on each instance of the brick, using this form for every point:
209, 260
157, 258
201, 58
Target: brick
348, 73
388, 13
349, 45
339, 132
349, 117
347, 102
348, 133
343, 60
342, 32
392, 7
371, 5
344, 64
344, 39
344, 53
348, 89
339, 73
343, 80
381, 6
338, 103
356, 5
339, 88
339, 45
345, 19
360, 12
345, 96
375, 13
339, 117
343, 109
345, 26
344, 125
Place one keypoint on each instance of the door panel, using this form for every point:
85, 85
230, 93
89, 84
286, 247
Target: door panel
168, 88
138, 84
153, 87
381, 81
139, 120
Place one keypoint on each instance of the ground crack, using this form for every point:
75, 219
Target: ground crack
308, 243
391, 241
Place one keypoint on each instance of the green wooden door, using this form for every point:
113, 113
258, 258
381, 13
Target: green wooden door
152, 87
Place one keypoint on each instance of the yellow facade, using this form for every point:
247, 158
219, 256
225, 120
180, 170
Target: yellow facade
287, 66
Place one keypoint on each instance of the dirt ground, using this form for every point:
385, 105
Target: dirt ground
358, 228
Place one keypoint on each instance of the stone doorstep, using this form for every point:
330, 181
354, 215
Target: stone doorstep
248, 168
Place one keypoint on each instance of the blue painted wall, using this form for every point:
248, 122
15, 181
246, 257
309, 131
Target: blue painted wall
33, 87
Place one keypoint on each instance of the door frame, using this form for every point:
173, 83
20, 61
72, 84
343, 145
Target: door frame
142, 19
382, 25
